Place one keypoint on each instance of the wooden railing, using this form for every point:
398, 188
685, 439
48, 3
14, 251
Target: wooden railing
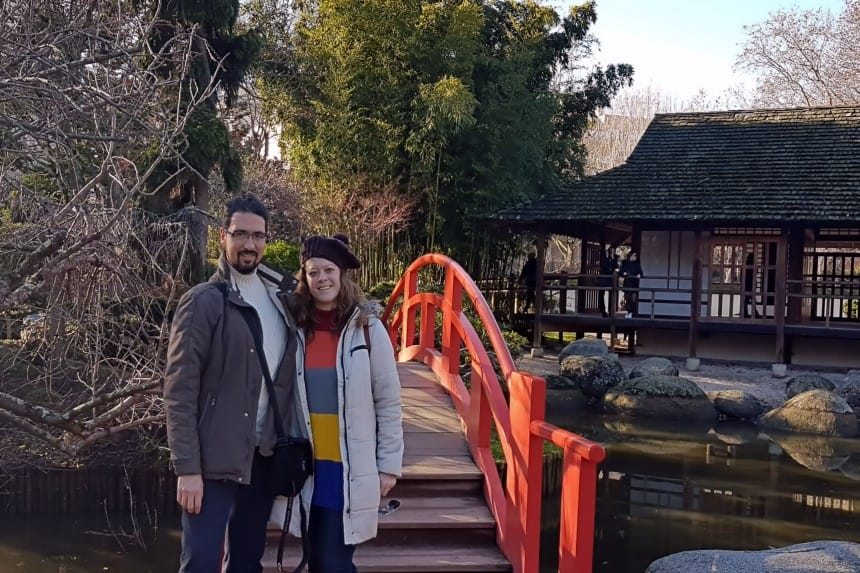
519, 422
825, 300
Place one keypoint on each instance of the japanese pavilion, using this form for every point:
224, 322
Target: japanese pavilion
708, 200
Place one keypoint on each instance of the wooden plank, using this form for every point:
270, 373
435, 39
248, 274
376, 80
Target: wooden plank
433, 517
430, 412
414, 374
415, 425
439, 467
438, 443
432, 401
434, 393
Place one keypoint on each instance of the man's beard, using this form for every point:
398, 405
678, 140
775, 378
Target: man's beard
245, 268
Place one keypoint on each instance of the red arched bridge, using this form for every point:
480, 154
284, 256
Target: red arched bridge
457, 512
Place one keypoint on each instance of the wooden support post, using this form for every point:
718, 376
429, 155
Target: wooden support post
796, 241
562, 296
612, 310
584, 278
695, 295
779, 300
540, 244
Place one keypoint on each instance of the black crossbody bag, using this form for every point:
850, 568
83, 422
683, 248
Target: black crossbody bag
292, 460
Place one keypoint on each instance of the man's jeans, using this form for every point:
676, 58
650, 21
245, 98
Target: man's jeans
245, 508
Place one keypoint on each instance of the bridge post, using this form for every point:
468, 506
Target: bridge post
525, 471
540, 244
407, 332
579, 501
450, 336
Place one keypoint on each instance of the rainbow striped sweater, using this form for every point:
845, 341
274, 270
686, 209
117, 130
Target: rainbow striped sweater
322, 391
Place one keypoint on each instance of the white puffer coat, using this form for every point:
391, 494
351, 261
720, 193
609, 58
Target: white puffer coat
371, 426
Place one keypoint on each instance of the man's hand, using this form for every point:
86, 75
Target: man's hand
386, 483
189, 493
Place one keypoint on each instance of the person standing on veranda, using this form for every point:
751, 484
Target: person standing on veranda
220, 427
349, 403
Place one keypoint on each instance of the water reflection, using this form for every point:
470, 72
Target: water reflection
65, 544
668, 488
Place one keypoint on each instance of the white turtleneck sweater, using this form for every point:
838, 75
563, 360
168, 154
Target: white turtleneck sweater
255, 293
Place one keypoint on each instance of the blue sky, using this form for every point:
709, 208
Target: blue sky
681, 46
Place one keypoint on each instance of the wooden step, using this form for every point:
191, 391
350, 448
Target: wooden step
469, 512
414, 558
440, 467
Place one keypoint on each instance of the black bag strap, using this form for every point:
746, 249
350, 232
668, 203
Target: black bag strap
306, 543
256, 332
366, 345
366, 328
256, 328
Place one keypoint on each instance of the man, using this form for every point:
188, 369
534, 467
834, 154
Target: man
220, 427
631, 270
528, 277
608, 265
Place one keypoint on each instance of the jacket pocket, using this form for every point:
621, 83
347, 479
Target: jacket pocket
208, 408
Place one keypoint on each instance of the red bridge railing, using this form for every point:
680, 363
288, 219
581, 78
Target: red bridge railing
519, 422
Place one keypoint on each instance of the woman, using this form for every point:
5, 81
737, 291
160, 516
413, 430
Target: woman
348, 405
631, 270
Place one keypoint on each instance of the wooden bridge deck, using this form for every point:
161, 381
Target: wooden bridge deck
443, 523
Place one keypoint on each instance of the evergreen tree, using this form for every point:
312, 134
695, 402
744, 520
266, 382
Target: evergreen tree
219, 57
468, 105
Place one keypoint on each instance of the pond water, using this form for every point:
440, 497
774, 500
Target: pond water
661, 490
665, 489
90, 544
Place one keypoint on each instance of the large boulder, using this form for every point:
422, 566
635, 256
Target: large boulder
737, 404
735, 432
849, 389
584, 347
655, 437
654, 366
563, 397
814, 412
804, 382
660, 397
814, 452
594, 375
812, 557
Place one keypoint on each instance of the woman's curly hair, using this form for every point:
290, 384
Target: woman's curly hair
349, 297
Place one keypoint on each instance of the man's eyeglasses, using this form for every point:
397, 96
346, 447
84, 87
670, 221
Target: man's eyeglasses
245, 235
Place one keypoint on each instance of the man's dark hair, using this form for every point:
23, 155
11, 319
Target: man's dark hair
245, 204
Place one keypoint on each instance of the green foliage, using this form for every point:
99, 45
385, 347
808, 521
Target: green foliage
282, 256
851, 309
456, 102
381, 291
515, 341
43, 185
213, 243
207, 138
222, 60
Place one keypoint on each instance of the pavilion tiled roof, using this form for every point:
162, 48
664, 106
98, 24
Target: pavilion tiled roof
757, 166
